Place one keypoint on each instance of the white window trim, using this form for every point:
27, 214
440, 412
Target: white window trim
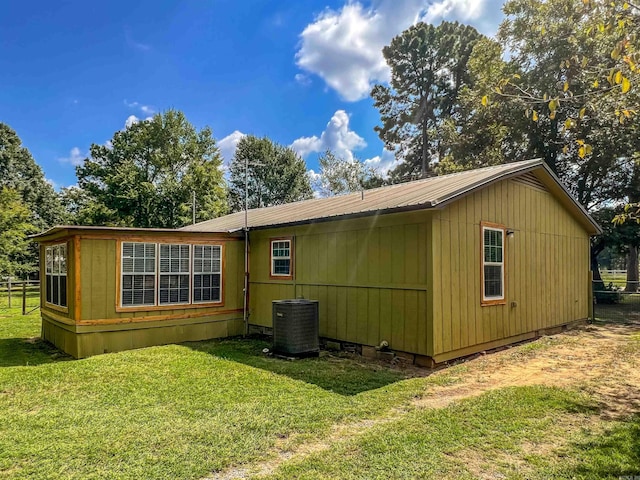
273, 274
194, 273
493, 298
58, 274
160, 274
157, 275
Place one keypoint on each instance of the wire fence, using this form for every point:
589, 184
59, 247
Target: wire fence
21, 295
616, 301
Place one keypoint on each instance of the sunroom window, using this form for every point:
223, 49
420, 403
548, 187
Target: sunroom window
174, 273
56, 274
138, 274
207, 273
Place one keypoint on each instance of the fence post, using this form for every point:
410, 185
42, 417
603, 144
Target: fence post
24, 298
9, 290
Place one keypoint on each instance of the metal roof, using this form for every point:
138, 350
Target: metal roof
419, 194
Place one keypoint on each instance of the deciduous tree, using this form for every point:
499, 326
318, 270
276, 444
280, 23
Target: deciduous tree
339, 175
275, 174
146, 175
15, 225
19, 172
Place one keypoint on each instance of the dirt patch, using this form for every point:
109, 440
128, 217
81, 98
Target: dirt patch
285, 453
597, 359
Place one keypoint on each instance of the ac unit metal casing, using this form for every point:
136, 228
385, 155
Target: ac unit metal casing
295, 327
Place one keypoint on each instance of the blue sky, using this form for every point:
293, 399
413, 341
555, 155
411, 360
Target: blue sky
74, 72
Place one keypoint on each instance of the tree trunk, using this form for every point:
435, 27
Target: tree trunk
425, 147
632, 270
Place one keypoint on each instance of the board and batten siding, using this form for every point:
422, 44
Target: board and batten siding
369, 275
98, 325
546, 268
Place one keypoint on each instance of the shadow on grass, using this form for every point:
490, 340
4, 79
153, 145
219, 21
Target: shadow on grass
613, 454
337, 373
15, 352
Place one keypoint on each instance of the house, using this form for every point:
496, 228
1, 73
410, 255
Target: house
439, 268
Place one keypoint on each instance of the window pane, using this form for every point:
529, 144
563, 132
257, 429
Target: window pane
49, 259
493, 281
63, 259
138, 290
49, 286
281, 266
127, 265
56, 291
56, 259
206, 288
63, 291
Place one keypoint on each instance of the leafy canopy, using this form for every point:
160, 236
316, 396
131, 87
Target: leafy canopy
275, 175
146, 175
15, 225
339, 175
20, 172
428, 69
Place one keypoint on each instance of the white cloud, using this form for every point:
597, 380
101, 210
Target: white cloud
132, 119
382, 163
344, 47
336, 137
75, 158
146, 109
228, 146
52, 183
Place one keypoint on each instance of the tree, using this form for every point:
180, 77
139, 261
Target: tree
275, 175
20, 173
596, 46
428, 69
15, 258
146, 176
552, 97
338, 175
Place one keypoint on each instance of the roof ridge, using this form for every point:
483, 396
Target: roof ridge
309, 201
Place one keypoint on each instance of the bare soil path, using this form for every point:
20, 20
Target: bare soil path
598, 359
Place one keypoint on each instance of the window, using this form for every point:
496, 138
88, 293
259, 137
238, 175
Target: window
492, 264
138, 274
170, 274
207, 273
174, 274
56, 274
281, 258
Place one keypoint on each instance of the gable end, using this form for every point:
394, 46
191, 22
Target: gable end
530, 180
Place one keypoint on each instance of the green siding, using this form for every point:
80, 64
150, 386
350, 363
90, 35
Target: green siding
103, 329
98, 272
546, 268
368, 274
71, 281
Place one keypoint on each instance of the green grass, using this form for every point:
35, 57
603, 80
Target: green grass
619, 279
492, 436
177, 411
184, 411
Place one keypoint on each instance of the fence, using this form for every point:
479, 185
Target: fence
616, 301
20, 294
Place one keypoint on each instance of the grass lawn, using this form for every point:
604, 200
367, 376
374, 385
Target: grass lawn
187, 411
